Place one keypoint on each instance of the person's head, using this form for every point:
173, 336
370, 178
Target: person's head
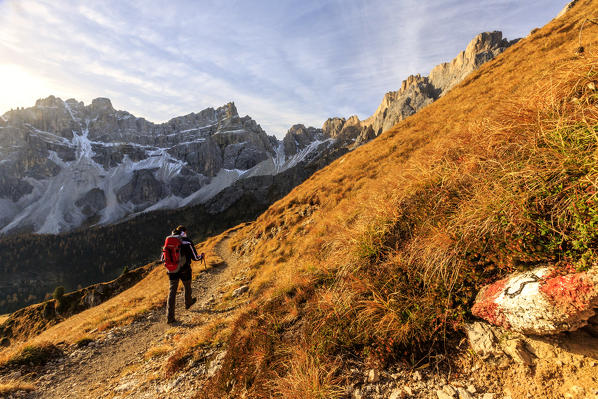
180, 231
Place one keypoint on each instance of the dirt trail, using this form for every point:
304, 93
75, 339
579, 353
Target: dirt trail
88, 372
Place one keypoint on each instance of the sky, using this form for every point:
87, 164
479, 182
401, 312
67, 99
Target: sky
281, 61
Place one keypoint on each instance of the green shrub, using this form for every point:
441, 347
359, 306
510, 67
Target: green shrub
58, 293
35, 355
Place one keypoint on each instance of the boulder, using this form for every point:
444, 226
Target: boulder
518, 351
92, 202
143, 188
298, 137
332, 127
240, 291
373, 376
540, 301
482, 340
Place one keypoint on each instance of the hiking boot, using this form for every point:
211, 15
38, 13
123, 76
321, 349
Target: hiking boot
193, 300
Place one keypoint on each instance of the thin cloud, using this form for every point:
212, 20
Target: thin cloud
282, 62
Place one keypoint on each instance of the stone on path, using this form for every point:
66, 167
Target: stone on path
540, 302
239, 291
373, 376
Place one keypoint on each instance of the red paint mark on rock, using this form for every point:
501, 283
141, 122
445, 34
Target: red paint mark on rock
485, 305
571, 293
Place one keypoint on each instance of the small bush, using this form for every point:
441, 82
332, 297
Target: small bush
157, 351
84, 341
36, 355
308, 377
58, 293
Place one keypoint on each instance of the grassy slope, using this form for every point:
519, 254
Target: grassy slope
378, 256
123, 308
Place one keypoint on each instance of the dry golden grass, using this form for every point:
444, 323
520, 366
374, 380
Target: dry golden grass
157, 351
306, 377
380, 254
148, 294
213, 332
37, 353
10, 387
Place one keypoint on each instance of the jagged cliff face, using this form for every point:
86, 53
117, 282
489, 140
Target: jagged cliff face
418, 91
64, 164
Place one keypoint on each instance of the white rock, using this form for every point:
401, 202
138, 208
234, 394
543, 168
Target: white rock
489, 396
517, 350
449, 390
539, 302
482, 339
239, 291
464, 394
443, 395
396, 393
373, 376
127, 386
417, 376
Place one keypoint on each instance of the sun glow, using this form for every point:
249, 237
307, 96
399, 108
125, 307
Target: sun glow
19, 88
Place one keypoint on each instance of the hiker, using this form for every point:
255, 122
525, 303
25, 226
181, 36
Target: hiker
177, 254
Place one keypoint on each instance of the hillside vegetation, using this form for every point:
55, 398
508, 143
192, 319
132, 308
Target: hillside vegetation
37, 263
376, 259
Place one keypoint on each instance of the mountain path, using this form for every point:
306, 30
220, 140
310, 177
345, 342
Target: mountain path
104, 368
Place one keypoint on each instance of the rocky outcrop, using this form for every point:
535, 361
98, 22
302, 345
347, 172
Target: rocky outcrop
566, 8
480, 50
64, 164
540, 301
54, 154
92, 202
333, 126
143, 188
299, 137
418, 91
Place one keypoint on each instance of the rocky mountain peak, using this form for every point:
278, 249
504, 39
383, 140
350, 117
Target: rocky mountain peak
333, 126
299, 137
352, 121
228, 110
412, 81
67, 164
484, 47
485, 41
418, 91
50, 102
101, 105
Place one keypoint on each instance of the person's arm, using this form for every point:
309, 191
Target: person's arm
193, 252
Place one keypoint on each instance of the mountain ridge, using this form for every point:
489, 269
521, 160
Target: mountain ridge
205, 146
64, 164
359, 283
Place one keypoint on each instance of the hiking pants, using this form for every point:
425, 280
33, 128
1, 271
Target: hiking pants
170, 303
